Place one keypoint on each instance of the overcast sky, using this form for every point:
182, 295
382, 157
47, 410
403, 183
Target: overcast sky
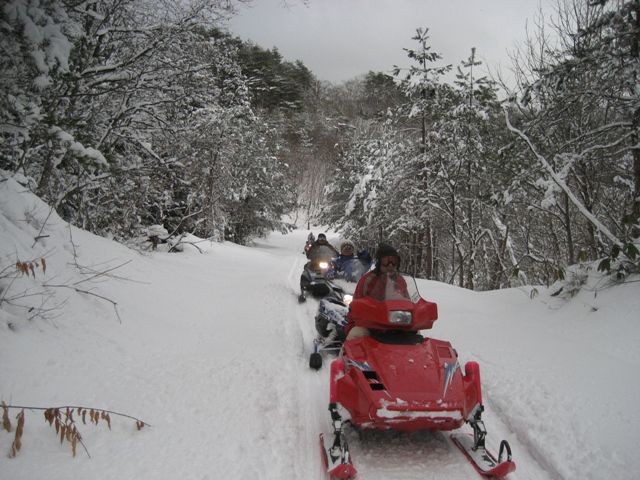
341, 39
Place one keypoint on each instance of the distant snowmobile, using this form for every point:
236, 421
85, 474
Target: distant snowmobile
396, 379
314, 275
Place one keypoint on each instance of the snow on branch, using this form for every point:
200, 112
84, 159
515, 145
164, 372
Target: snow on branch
98, 70
49, 47
562, 185
77, 147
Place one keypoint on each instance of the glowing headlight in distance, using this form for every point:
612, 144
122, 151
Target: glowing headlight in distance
323, 265
347, 299
400, 317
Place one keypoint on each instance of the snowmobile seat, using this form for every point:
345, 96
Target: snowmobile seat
396, 337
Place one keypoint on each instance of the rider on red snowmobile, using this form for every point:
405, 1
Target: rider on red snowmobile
374, 283
394, 378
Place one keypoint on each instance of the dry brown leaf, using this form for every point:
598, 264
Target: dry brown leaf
108, 420
84, 417
16, 446
57, 423
50, 415
33, 270
63, 431
44, 265
17, 441
20, 426
6, 423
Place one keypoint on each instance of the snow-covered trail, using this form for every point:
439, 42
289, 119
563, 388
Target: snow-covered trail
210, 352
213, 352
211, 348
311, 406
393, 455
377, 455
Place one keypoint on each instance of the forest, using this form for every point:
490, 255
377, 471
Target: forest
123, 117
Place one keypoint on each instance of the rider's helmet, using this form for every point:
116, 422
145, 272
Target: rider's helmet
386, 253
322, 238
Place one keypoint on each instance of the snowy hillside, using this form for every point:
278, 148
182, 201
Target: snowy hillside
210, 347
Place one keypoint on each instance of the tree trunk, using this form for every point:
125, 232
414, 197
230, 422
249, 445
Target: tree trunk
567, 227
635, 232
418, 249
428, 236
635, 54
42, 189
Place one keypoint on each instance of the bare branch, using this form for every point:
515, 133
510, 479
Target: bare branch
563, 186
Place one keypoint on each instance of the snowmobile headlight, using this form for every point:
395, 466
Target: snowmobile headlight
323, 265
400, 317
347, 299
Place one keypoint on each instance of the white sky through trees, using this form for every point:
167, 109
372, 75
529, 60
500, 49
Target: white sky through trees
341, 39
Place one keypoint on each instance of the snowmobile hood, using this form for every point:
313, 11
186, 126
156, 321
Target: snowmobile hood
422, 375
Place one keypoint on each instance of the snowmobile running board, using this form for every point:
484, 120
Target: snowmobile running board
482, 459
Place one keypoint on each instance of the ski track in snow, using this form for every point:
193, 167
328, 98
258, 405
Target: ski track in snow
376, 455
521, 437
310, 385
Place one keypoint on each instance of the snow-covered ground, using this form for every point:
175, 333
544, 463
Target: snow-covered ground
211, 349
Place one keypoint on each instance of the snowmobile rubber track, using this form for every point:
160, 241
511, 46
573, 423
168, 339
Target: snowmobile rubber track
482, 459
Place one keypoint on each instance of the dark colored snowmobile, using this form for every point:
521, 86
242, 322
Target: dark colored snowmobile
331, 320
396, 379
314, 275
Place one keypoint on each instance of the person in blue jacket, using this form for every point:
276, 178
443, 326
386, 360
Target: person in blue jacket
350, 265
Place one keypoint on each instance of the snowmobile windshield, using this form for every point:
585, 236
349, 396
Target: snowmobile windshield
392, 286
391, 302
321, 253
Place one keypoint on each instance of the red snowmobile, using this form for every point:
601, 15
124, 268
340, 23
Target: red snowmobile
395, 379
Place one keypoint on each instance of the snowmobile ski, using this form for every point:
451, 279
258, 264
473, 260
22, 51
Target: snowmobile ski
482, 459
336, 460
